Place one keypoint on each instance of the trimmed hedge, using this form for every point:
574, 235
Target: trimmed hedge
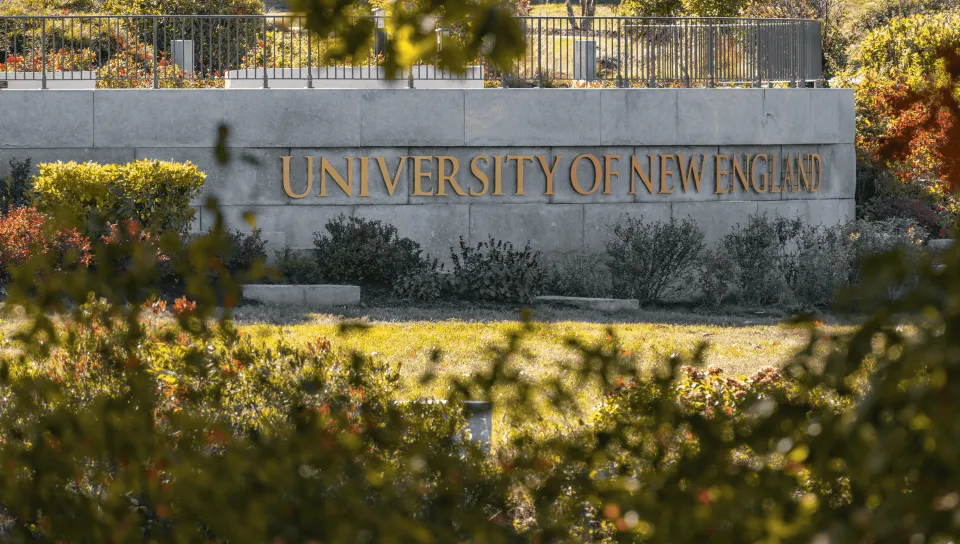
155, 194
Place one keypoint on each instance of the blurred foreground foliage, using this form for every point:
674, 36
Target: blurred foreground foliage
119, 424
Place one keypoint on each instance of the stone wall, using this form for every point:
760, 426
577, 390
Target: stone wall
554, 126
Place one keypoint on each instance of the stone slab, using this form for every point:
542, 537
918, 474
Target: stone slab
715, 218
299, 223
764, 168
46, 119
592, 181
669, 187
534, 179
598, 304
293, 118
599, 219
159, 117
532, 117
628, 117
436, 227
786, 116
411, 117
337, 157
554, 229
310, 295
719, 116
829, 213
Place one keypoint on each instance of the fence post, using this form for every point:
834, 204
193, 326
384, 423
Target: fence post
43, 53
266, 83
310, 60
540, 52
710, 55
756, 51
156, 76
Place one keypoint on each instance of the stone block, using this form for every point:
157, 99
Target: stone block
638, 117
534, 179
532, 117
839, 164
832, 116
715, 218
670, 188
116, 155
310, 295
436, 227
376, 182
940, 245
411, 117
830, 213
598, 304
598, 221
719, 116
160, 118
745, 156
554, 229
292, 117
787, 209
591, 177
239, 182
786, 116
51, 119
298, 223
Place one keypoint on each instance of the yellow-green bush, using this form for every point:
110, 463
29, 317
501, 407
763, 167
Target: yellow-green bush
156, 194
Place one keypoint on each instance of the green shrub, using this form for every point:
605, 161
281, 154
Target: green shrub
16, 190
155, 194
758, 250
298, 267
495, 271
364, 251
714, 277
652, 260
182, 7
428, 282
246, 250
649, 8
581, 275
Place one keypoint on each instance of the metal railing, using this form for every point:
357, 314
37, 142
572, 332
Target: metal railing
269, 51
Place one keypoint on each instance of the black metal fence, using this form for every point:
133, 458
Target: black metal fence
277, 51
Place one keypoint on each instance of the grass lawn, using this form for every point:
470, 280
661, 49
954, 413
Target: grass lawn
409, 337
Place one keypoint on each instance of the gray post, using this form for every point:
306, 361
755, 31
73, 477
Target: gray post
480, 422
183, 55
585, 60
266, 83
710, 55
380, 33
156, 76
43, 54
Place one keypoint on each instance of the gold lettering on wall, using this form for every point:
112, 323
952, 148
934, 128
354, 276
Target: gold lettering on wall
575, 181
287, 188
750, 172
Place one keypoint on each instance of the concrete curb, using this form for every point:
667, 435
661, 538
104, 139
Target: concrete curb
313, 295
599, 304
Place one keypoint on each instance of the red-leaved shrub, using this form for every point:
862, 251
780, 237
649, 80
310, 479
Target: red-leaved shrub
25, 232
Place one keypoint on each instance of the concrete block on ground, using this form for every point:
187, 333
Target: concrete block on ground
532, 117
52, 119
786, 116
585, 303
161, 117
719, 116
598, 221
627, 116
310, 295
940, 245
554, 229
669, 186
717, 219
411, 117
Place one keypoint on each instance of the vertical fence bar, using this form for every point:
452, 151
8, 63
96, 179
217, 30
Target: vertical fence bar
156, 76
266, 83
43, 53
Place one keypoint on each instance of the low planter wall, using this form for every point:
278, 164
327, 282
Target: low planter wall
55, 80
309, 295
354, 77
586, 303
